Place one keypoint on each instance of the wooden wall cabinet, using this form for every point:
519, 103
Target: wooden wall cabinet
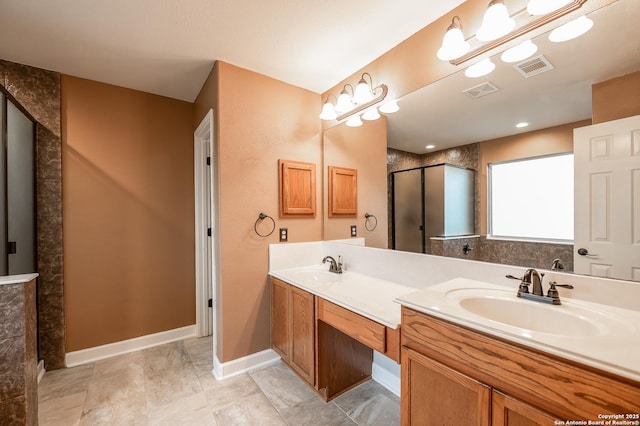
297, 181
455, 375
343, 192
293, 328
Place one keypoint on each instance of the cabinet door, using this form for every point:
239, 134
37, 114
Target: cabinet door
280, 323
509, 411
303, 334
435, 394
343, 192
297, 188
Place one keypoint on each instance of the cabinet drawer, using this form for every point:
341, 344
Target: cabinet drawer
360, 328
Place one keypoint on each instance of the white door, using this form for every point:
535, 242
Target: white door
204, 168
607, 199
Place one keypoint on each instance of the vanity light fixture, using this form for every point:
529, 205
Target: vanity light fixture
328, 110
542, 7
389, 107
453, 43
499, 28
371, 114
480, 69
354, 121
571, 29
496, 22
364, 98
345, 103
363, 94
520, 52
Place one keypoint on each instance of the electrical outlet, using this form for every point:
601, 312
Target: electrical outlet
284, 235
354, 231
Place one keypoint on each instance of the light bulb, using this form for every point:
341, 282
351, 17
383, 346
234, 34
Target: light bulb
389, 107
483, 67
519, 52
371, 114
328, 112
344, 102
571, 30
453, 43
362, 94
354, 121
496, 22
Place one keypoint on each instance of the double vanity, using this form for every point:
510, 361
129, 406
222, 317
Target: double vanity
470, 350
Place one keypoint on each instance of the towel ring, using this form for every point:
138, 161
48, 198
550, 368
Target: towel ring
366, 221
263, 216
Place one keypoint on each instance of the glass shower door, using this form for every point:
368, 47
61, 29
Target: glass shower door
17, 182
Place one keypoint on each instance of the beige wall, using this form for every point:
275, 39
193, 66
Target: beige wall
616, 98
364, 149
128, 213
259, 120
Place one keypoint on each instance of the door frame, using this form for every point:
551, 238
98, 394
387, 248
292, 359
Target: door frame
206, 268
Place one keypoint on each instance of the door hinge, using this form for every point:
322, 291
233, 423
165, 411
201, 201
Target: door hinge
208, 161
208, 232
210, 304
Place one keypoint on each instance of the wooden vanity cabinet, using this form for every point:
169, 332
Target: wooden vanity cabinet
508, 411
293, 328
433, 393
328, 346
450, 371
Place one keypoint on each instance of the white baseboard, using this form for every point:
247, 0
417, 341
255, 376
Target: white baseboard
224, 370
84, 356
386, 372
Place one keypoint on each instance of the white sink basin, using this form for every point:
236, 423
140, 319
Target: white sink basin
316, 276
568, 319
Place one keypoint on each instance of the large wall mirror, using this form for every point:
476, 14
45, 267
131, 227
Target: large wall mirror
477, 127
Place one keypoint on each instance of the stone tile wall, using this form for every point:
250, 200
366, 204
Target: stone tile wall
38, 91
18, 355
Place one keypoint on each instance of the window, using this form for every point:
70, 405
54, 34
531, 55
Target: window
532, 199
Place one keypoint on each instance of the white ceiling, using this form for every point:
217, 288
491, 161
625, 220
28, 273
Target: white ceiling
168, 47
442, 115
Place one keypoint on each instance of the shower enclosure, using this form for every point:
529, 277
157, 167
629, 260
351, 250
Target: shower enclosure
17, 190
431, 201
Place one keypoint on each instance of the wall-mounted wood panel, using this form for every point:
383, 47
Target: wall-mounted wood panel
343, 192
297, 188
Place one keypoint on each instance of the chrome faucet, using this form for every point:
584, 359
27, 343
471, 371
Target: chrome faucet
557, 265
335, 267
534, 278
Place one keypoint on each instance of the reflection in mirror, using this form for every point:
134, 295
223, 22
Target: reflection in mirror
471, 122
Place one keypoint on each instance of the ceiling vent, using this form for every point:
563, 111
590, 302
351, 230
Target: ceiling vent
533, 66
481, 90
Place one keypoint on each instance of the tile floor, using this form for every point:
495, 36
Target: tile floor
172, 385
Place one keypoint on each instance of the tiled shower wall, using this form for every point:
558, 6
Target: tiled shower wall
38, 91
528, 254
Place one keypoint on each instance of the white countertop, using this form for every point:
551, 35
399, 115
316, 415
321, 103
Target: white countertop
605, 337
370, 297
17, 279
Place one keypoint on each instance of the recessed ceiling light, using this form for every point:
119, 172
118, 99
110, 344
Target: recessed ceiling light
430, 146
522, 124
